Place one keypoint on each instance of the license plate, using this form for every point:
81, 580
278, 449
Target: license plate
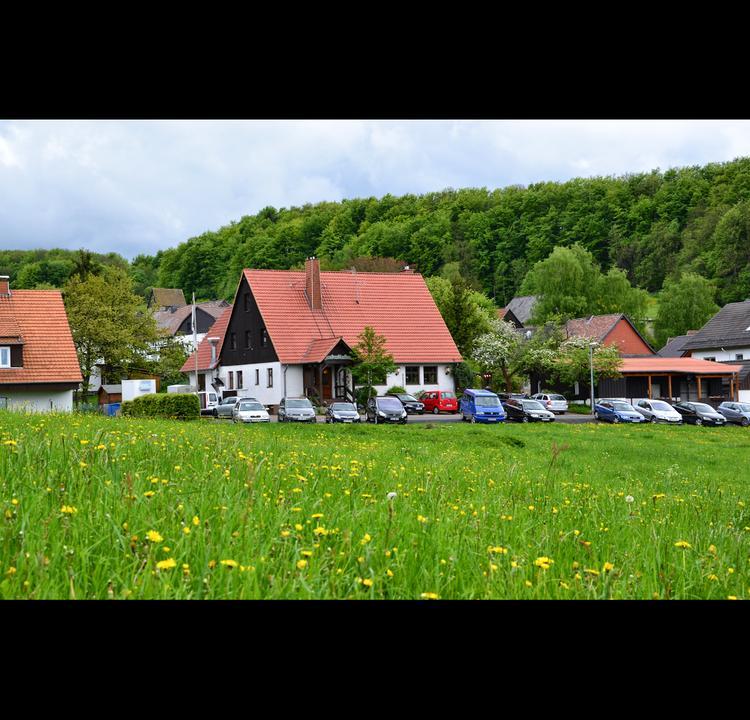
348, 421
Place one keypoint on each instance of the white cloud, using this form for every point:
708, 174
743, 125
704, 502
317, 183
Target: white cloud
138, 186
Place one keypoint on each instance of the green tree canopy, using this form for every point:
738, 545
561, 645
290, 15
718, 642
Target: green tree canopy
684, 304
373, 361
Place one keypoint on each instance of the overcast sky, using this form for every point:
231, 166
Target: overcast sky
139, 186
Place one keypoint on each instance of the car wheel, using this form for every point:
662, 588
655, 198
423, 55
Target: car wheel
744, 422
435, 410
525, 419
615, 419
473, 420
698, 421
653, 418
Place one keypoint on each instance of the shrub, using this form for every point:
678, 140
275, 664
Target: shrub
396, 389
364, 393
178, 406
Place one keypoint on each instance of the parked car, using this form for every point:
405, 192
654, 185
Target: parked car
616, 411
225, 407
527, 411
553, 402
512, 396
656, 411
481, 406
385, 409
410, 403
209, 400
249, 410
736, 412
697, 413
436, 401
298, 409
345, 412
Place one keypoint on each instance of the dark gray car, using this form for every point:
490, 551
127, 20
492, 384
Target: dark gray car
298, 409
736, 412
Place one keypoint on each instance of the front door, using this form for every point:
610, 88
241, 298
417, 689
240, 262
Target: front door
326, 392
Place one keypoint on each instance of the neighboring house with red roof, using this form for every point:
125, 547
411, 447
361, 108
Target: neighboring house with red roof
39, 367
178, 321
291, 333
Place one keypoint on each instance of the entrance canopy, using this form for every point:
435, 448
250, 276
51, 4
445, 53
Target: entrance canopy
686, 372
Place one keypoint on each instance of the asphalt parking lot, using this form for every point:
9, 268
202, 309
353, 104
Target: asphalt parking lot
568, 418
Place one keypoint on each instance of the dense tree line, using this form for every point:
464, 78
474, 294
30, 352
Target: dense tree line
653, 226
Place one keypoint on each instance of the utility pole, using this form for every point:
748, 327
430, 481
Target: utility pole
591, 376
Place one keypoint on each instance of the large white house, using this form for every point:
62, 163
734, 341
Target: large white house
39, 367
291, 333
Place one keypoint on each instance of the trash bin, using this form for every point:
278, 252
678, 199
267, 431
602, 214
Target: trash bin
113, 409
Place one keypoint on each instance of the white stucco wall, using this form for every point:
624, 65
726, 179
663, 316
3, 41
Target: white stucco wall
723, 356
261, 392
744, 396
445, 380
37, 400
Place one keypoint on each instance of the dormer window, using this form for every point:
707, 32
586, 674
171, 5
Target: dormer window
4, 357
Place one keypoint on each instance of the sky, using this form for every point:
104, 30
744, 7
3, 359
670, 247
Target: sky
140, 186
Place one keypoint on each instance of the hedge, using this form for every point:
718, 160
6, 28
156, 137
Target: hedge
164, 405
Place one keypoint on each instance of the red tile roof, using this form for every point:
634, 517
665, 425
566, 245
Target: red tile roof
397, 305
596, 327
677, 365
218, 329
49, 355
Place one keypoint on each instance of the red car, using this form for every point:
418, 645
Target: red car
436, 401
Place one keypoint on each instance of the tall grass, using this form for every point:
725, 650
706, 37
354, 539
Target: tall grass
98, 507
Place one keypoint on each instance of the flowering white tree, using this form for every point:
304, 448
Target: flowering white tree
500, 350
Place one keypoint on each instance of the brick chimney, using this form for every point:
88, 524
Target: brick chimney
312, 283
4, 286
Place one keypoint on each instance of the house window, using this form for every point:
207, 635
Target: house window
412, 374
739, 356
5, 357
239, 380
257, 376
263, 338
270, 377
247, 302
713, 359
248, 340
231, 380
430, 374
232, 341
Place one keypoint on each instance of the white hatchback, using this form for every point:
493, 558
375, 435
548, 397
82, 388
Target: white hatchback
554, 403
250, 411
657, 411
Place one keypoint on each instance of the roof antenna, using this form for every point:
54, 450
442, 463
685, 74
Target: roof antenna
356, 285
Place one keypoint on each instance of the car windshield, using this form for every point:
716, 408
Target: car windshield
343, 407
448, 395
623, 407
487, 401
702, 407
301, 403
229, 401
659, 405
556, 397
407, 398
251, 406
389, 404
532, 405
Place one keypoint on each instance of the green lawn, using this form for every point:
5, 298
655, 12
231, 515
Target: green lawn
98, 507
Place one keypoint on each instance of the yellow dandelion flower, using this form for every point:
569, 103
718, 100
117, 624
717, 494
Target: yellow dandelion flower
429, 596
422, 519
196, 521
389, 573
186, 530
11, 571
497, 550
528, 583
713, 577
297, 527
212, 564
285, 533
315, 516
591, 571
301, 564
167, 564
306, 553
320, 531
154, 536
683, 544
229, 563
607, 567
14, 501
366, 539
68, 510
367, 582
730, 571
544, 562
712, 549
731, 597
149, 493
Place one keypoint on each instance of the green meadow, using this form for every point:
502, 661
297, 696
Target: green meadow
96, 507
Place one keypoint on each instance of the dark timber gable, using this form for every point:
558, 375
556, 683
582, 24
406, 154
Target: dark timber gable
246, 318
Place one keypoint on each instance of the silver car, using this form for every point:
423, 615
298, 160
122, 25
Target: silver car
657, 411
553, 402
250, 410
225, 407
296, 410
736, 412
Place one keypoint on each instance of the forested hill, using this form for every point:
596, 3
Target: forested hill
652, 225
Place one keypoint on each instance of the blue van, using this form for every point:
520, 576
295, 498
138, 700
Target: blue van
481, 406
